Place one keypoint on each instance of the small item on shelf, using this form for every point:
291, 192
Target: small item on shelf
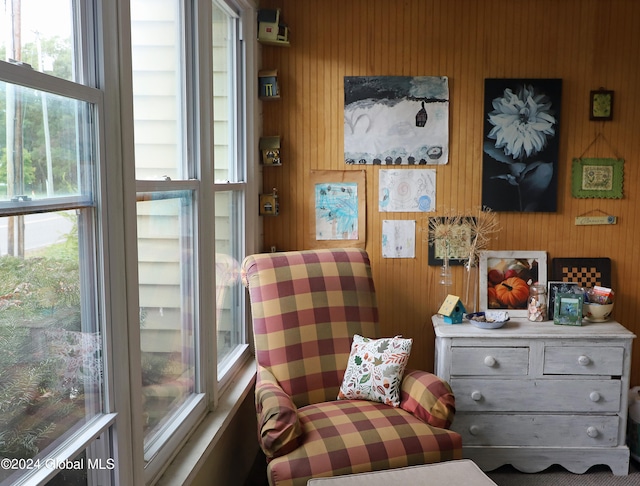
268, 84
269, 205
599, 295
270, 150
271, 30
537, 304
452, 310
598, 304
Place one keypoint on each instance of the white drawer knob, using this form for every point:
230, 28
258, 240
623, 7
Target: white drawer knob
592, 432
594, 396
584, 360
490, 361
474, 430
476, 396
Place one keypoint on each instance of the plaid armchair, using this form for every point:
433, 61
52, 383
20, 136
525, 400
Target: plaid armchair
306, 307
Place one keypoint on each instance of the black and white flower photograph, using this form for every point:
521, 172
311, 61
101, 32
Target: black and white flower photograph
520, 144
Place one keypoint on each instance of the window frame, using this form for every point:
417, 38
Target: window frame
87, 89
198, 81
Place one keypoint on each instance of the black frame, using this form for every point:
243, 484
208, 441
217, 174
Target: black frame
595, 107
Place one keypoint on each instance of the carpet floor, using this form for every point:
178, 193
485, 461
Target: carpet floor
508, 476
558, 476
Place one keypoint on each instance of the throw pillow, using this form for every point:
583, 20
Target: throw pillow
375, 368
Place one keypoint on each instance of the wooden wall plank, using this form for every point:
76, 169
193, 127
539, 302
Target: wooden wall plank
586, 43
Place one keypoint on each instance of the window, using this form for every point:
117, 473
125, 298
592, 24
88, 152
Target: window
229, 186
105, 366
53, 399
191, 231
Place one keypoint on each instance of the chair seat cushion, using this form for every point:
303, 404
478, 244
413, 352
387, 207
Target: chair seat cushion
350, 436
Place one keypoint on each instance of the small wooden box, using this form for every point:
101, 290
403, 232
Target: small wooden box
269, 205
268, 84
270, 151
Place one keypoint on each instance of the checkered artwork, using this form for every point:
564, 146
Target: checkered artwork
586, 272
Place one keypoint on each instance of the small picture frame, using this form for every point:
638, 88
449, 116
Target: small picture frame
555, 287
601, 105
459, 249
568, 309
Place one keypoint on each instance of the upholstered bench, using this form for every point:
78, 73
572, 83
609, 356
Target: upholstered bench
453, 473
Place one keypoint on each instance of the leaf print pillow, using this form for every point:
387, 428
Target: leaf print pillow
375, 369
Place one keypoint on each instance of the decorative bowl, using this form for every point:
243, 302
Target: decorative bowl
597, 312
489, 319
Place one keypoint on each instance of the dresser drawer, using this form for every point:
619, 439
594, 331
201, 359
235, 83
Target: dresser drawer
537, 430
467, 361
576, 396
583, 360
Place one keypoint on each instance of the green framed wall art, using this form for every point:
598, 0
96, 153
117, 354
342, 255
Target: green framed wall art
597, 178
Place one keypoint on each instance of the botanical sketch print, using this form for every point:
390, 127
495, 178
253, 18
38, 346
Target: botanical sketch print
520, 151
407, 190
597, 177
336, 211
396, 120
398, 239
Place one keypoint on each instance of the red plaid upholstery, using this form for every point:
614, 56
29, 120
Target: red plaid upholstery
306, 307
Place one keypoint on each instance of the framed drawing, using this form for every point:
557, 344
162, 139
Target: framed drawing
337, 209
601, 105
459, 240
597, 178
555, 287
505, 277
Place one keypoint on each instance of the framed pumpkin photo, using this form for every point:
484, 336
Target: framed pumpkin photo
505, 277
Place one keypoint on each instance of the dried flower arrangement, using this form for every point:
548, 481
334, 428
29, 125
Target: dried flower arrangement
465, 235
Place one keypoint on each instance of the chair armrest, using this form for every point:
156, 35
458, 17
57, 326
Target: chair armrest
279, 428
428, 397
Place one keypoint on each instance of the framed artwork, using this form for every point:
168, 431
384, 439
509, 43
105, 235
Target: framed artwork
586, 272
597, 178
459, 241
568, 309
555, 287
520, 166
337, 209
505, 277
396, 120
601, 105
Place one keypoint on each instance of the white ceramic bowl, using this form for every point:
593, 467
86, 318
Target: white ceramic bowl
488, 320
597, 312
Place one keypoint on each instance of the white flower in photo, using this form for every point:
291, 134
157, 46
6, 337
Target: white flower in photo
522, 122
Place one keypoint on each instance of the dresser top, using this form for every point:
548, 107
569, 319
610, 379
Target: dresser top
521, 327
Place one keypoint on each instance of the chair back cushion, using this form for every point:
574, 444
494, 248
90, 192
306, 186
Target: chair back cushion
306, 307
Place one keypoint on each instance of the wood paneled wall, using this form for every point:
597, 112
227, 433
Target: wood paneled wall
587, 43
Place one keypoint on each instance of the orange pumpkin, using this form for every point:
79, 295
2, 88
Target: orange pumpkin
513, 292
493, 299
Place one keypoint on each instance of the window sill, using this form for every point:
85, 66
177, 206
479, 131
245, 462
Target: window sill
194, 453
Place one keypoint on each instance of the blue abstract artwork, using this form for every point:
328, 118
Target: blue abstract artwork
336, 206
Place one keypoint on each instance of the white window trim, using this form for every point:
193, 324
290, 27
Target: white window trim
185, 457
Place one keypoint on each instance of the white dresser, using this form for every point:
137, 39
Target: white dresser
534, 394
